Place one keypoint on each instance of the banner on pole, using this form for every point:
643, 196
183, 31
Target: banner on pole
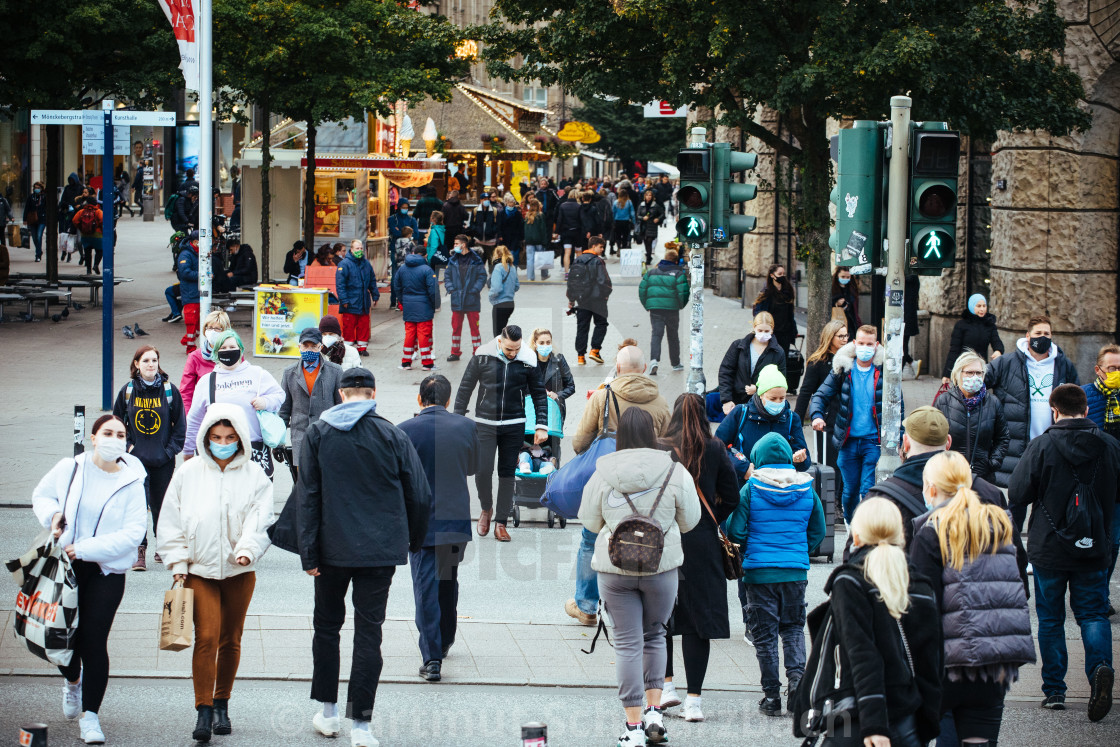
180, 13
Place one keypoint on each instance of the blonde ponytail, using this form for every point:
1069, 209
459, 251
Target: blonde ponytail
966, 527
878, 523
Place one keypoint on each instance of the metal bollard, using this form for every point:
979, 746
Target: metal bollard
33, 735
534, 735
79, 431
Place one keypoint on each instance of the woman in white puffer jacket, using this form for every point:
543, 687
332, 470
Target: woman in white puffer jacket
211, 535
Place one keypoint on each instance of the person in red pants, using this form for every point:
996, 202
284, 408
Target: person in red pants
415, 284
187, 270
464, 281
357, 292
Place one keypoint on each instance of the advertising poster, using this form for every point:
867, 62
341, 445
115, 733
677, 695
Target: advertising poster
282, 312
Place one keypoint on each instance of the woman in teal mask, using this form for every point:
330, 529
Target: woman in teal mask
767, 411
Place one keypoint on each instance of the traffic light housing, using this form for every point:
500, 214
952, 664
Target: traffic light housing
726, 193
694, 195
934, 164
859, 196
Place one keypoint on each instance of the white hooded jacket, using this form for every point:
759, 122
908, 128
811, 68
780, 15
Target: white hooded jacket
211, 517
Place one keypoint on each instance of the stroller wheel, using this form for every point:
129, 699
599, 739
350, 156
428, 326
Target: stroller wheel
563, 522
516, 516
551, 519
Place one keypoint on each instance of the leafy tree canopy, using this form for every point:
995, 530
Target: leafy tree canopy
628, 135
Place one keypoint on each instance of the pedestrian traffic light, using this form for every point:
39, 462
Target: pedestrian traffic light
695, 165
934, 162
859, 195
726, 193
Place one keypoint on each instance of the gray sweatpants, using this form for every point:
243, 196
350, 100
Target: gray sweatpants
638, 608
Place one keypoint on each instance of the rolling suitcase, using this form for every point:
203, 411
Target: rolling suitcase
795, 366
827, 487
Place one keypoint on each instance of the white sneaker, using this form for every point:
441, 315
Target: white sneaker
633, 737
653, 723
91, 729
1030, 569
523, 468
328, 727
669, 697
547, 468
652, 371
72, 700
691, 710
363, 737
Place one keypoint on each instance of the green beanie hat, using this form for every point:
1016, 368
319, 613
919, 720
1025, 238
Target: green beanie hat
770, 378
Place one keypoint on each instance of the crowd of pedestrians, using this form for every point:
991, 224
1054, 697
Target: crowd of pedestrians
927, 621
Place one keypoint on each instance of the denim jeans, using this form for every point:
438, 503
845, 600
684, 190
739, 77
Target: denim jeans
530, 252
37, 239
1088, 598
1115, 543
171, 293
777, 610
857, 460
587, 580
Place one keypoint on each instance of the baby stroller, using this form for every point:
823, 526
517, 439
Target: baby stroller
528, 487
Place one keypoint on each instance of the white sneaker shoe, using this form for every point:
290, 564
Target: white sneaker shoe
363, 737
653, 723
328, 727
72, 700
633, 737
91, 729
669, 696
652, 370
691, 710
547, 468
1030, 569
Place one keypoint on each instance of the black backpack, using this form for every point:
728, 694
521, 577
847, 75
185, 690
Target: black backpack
1082, 528
821, 703
580, 283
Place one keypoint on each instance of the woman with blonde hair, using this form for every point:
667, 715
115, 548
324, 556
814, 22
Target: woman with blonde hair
976, 424
834, 336
744, 361
966, 548
503, 286
537, 237
201, 360
888, 640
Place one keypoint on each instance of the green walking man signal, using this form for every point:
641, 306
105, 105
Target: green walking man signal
695, 228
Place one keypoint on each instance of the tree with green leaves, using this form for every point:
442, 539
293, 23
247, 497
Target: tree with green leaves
67, 55
982, 65
321, 61
628, 135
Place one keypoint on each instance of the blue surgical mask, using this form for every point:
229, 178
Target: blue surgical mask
844, 281
37, 191
774, 408
224, 451
544, 350
309, 357
865, 353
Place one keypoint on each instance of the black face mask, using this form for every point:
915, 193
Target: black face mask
229, 358
1040, 345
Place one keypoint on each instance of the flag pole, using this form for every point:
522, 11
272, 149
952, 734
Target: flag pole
205, 35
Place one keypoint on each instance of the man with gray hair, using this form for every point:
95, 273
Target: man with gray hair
631, 388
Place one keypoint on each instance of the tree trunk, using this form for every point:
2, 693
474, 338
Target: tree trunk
815, 171
309, 191
266, 192
54, 148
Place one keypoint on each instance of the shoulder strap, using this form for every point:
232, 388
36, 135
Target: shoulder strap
900, 495
607, 400
70, 484
660, 493
167, 391
213, 387
128, 394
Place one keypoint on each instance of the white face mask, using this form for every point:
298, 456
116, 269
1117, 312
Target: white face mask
110, 449
329, 340
211, 336
972, 384
763, 336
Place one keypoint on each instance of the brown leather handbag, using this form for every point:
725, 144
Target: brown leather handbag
732, 555
638, 541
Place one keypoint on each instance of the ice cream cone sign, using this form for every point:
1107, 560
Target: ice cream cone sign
430, 136
579, 132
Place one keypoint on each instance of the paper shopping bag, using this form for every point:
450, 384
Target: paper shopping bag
177, 621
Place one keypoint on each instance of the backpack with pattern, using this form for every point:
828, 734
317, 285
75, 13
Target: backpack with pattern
636, 544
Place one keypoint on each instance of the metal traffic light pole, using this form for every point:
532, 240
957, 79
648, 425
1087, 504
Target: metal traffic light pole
894, 319
697, 384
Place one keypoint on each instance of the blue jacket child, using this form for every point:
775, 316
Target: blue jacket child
746, 424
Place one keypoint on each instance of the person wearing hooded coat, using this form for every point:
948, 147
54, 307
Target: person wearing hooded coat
464, 280
975, 331
357, 292
746, 424
418, 289
211, 536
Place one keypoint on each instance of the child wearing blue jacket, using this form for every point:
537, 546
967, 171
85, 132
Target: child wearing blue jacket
766, 412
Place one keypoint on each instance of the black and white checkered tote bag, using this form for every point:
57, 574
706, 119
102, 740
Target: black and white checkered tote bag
47, 603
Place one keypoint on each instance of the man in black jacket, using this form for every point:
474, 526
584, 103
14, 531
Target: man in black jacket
295, 261
1069, 474
505, 372
242, 268
589, 287
451, 441
186, 210
454, 214
362, 505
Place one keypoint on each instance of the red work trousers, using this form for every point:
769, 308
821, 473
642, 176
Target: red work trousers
418, 335
190, 320
355, 329
457, 331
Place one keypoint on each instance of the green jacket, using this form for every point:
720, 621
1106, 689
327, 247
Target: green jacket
665, 287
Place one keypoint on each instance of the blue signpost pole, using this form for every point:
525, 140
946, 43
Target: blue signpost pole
107, 200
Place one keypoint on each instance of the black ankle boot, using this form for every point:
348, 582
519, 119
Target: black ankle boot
203, 725
221, 717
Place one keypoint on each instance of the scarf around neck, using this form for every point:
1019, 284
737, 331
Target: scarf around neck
971, 403
1111, 402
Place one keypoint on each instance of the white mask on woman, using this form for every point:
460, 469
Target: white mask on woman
110, 449
763, 336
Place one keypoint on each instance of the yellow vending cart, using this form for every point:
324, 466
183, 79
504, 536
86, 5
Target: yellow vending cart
281, 312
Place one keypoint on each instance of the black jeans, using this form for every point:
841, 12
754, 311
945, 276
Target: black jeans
903, 734
777, 611
668, 323
371, 592
976, 708
649, 241
159, 477
583, 324
505, 441
98, 598
696, 652
501, 314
